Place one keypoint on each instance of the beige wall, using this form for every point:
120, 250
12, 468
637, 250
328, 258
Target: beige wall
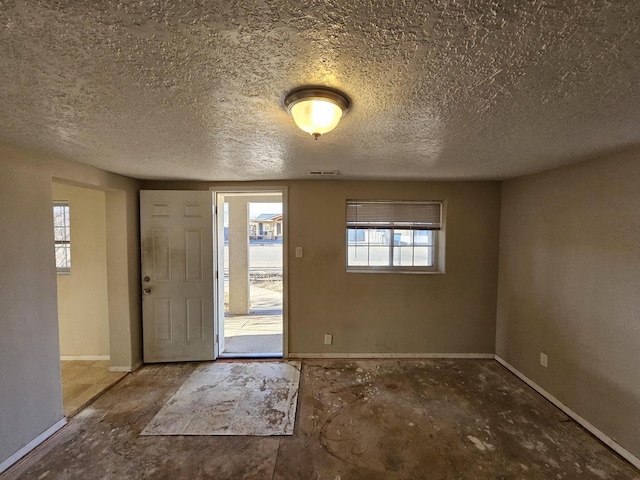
123, 275
388, 313
392, 313
83, 310
570, 287
31, 394
31, 397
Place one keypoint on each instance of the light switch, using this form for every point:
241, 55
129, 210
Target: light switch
544, 360
299, 252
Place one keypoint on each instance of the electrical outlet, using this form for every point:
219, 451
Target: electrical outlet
328, 339
544, 360
299, 252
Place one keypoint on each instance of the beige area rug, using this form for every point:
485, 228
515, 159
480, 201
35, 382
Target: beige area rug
237, 398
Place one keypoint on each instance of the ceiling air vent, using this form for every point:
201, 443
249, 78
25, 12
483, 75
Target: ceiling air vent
323, 173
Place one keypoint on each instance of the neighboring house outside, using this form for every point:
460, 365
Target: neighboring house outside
266, 226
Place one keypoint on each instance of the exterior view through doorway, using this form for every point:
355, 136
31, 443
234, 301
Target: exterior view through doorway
250, 272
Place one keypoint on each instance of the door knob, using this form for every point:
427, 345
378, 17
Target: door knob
146, 291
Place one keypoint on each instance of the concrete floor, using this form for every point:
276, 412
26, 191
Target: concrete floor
83, 380
373, 419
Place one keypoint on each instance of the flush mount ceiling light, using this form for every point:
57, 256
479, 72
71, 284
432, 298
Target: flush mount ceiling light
316, 110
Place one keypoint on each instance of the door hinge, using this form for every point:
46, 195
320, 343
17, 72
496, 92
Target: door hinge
217, 338
216, 274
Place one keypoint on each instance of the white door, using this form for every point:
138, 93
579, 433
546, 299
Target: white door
177, 275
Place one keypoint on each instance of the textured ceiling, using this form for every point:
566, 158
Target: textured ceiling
441, 89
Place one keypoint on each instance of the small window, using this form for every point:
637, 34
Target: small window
392, 236
62, 236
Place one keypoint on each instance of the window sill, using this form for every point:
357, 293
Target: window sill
393, 270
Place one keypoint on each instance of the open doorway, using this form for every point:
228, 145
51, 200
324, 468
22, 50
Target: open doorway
79, 216
250, 243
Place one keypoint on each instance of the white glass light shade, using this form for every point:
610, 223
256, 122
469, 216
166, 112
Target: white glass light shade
316, 116
316, 110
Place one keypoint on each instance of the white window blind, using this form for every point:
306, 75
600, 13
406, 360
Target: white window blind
392, 214
393, 236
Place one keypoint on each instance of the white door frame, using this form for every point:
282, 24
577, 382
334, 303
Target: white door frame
254, 189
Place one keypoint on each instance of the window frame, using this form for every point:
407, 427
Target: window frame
437, 245
66, 243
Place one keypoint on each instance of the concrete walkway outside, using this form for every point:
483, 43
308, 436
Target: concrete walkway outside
260, 332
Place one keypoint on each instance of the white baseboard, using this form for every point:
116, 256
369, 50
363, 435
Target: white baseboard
604, 438
31, 445
85, 357
125, 368
427, 356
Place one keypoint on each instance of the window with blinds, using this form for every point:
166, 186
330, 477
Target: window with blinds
393, 236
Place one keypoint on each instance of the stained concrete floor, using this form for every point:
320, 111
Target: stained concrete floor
370, 419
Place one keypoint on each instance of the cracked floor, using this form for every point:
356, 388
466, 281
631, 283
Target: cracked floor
357, 419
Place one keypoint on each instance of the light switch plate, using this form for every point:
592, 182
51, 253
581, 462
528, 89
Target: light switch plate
299, 252
328, 339
544, 360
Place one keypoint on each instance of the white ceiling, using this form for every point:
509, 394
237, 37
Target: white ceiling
441, 89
